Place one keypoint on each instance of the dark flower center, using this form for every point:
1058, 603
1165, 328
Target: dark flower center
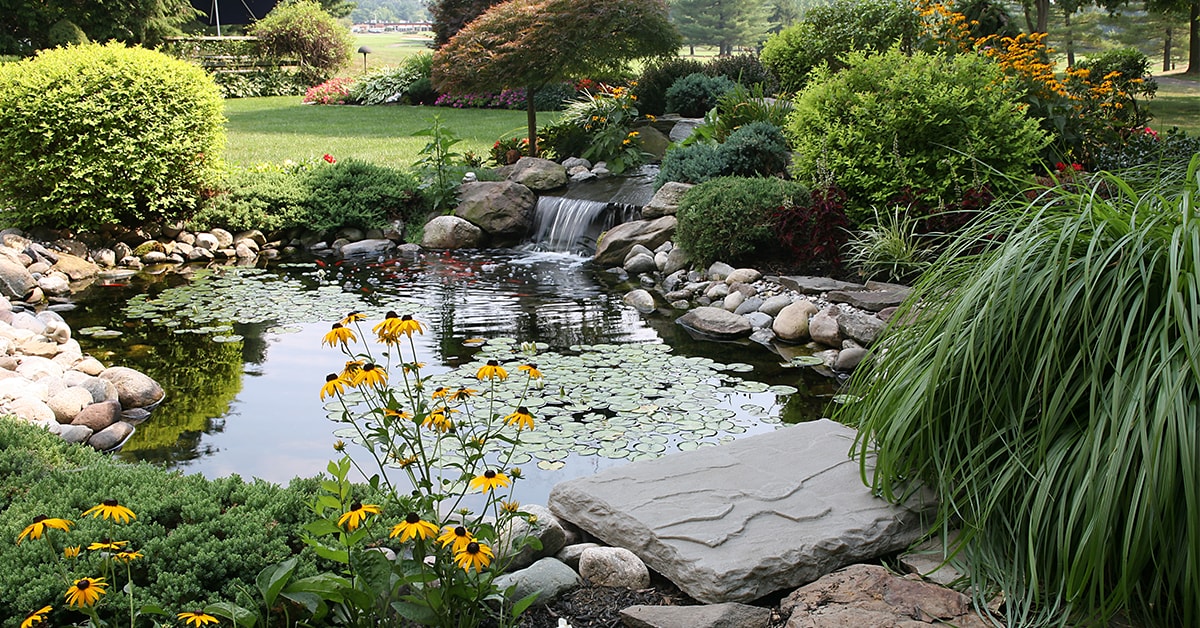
472, 548
83, 585
111, 503
493, 363
337, 326
406, 317
368, 367
330, 377
355, 506
532, 366
412, 518
460, 531
391, 314
489, 474
40, 518
522, 410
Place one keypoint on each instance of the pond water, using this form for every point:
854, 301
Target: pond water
239, 352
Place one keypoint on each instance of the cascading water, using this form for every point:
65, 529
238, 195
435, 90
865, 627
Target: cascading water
571, 223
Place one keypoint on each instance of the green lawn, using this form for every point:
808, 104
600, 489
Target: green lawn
388, 49
280, 128
1177, 103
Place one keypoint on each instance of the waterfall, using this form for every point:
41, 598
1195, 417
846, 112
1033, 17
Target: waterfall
571, 223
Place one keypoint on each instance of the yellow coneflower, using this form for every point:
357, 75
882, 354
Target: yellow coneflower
413, 527
71, 551
438, 420
531, 369
339, 445
474, 556
197, 618
110, 509
127, 556
440, 392
521, 418
405, 462
393, 325
396, 414
356, 515
107, 545
334, 385
339, 334
351, 368
457, 538
370, 375
490, 480
40, 524
85, 592
36, 617
412, 367
354, 317
510, 507
491, 370
463, 393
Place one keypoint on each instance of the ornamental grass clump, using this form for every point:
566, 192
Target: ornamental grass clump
445, 513
1047, 385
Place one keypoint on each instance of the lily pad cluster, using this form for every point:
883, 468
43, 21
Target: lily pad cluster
626, 402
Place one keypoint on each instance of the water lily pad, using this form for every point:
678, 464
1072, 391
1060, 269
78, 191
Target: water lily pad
547, 465
803, 360
105, 334
782, 389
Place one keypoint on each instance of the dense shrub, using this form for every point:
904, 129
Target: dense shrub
657, 78
420, 91
956, 131
303, 31
1128, 68
745, 70
730, 218
1148, 147
812, 235
828, 32
261, 82
203, 540
352, 193
383, 86
693, 95
268, 200
553, 97
66, 33
694, 163
335, 91
103, 134
756, 149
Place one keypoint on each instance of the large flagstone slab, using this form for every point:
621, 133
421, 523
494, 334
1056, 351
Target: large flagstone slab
736, 522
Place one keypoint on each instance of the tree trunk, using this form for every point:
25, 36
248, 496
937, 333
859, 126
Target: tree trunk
692, 49
1070, 40
1167, 51
531, 119
1043, 14
1194, 38
1029, 24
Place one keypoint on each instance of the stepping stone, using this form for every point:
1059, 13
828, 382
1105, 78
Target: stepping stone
736, 522
814, 285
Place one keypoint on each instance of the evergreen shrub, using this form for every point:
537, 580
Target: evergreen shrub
694, 163
657, 78
730, 218
103, 134
352, 193
693, 95
268, 200
755, 149
745, 70
301, 30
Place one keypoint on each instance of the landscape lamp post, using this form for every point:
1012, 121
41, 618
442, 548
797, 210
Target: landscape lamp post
365, 51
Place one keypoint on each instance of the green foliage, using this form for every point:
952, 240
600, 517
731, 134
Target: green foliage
890, 248
730, 218
268, 200
383, 86
352, 193
102, 134
66, 33
746, 70
440, 167
259, 83
657, 78
1163, 151
955, 132
26, 27
302, 30
721, 23
553, 97
597, 127
740, 106
693, 95
202, 539
420, 91
755, 149
1131, 68
694, 163
1066, 455
450, 16
828, 32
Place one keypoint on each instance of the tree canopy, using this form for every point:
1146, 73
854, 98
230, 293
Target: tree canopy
722, 23
532, 43
26, 26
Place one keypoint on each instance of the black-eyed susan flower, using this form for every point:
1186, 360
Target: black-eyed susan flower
339, 334
127, 556
396, 414
339, 445
356, 515
393, 325
489, 481
370, 374
107, 545
521, 418
354, 317
510, 507
40, 524
531, 369
405, 462
36, 617
463, 393
197, 618
438, 420
71, 551
85, 592
491, 370
334, 385
351, 368
475, 555
110, 509
516, 472
413, 527
456, 538
440, 392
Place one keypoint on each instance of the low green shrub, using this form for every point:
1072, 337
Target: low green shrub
1173, 148
352, 193
955, 133
1129, 69
757, 149
694, 163
383, 86
730, 218
259, 83
745, 70
657, 78
202, 540
268, 200
103, 134
693, 95
554, 97
66, 33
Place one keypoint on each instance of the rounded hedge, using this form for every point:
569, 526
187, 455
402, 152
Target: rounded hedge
103, 134
730, 218
693, 95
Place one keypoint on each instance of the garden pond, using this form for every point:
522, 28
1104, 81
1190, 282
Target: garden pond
239, 352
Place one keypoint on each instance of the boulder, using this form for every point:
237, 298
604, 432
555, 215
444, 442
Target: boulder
548, 578
98, 416
615, 244
502, 209
541, 524
613, 567
100, 389
718, 271
224, 238
869, 595
15, 281
870, 300
774, 305
571, 163
683, 128
758, 320
639, 264
733, 301
792, 322
31, 409
55, 284
640, 300
863, 328
111, 436
739, 521
653, 141
207, 241
570, 554
134, 389
716, 322
677, 260
451, 232
728, 615
367, 248
815, 285
743, 275
538, 174
849, 359
69, 402
823, 327
71, 433
75, 267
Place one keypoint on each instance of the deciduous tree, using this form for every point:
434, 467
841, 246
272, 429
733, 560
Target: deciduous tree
25, 26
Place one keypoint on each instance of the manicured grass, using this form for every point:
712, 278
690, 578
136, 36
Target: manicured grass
1177, 103
388, 49
281, 128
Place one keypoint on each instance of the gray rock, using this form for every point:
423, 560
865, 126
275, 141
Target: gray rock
576, 162
677, 260
90, 366
31, 409
570, 554
733, 301
122, 250
683, 128
100, 389
244, 250
366, 248
544, 526
538, 174
673, 281
616, 243
666, 200
815, 285
928, 560
750, 304
746, 289
105, 258
640, 263
715, 322
15, 281
183, 248
823, 327
207, 241
641, 300
849, 359
54, 285
636, 250
224, 238
869, 595
581, 176
134, 389
548, 578
763, 336
201, 254
862, 327
660, 260
111, 436
792, 323
613, 567
742, 520
718, 271
154, 257
72, 433
717, 291
870, 300
75, 267
502, 209
758, 320
727, 615
451, 232
98, 416
775, 304
135, 416
743, 275
652, 141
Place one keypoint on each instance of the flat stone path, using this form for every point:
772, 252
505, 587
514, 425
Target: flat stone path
736, 522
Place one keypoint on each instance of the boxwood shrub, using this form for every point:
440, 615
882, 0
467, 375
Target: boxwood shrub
731, 218
352, 193
104, 134
693, 95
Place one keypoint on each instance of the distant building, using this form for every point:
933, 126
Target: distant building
392, 27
